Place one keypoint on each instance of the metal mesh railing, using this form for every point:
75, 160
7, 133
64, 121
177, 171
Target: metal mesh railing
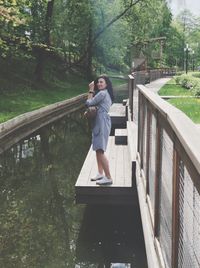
171, 168
189, 210
165, 234
152, 159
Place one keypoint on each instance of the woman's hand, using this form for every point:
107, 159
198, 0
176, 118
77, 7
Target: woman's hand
91, 86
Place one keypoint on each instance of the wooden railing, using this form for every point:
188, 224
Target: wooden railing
168, 166
142, 78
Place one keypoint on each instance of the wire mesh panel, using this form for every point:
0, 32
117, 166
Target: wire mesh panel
165, 234
152, 159
189, 211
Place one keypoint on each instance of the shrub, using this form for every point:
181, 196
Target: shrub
196, 89
196, 74
187, 81
177, 79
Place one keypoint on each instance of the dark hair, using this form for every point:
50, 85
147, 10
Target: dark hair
108, 83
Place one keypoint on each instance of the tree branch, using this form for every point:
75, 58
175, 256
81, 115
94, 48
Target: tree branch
107, 26
114, 20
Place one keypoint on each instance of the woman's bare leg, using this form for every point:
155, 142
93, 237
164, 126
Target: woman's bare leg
100, 167
102, 159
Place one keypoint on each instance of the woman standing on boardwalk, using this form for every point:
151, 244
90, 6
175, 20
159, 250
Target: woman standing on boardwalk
102, 98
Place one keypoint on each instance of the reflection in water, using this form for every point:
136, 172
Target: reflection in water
111, 236
40, 225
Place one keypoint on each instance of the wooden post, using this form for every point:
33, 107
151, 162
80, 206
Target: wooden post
132, 94
149, 115
175, 208
139, 123
131, 89
142, 125
157, 179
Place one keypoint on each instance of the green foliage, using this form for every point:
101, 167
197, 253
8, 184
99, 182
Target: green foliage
75, 25
13, 19
20, 93
196, 89
196, 74
188, 25
189, 81
190, 106
173, 89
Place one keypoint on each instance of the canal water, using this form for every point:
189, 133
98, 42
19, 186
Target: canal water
40, 224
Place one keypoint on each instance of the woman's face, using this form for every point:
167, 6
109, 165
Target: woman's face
101, 84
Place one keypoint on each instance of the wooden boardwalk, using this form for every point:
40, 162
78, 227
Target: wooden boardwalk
122, 167
122, 189
118, 114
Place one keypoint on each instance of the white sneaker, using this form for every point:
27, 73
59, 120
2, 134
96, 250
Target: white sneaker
104, 181
99, 176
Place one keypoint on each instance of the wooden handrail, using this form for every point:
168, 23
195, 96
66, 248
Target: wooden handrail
185, 130
172, 182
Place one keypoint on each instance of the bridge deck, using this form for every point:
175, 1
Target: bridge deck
118, 115
121, 191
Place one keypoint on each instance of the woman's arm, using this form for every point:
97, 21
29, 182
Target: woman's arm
96, 99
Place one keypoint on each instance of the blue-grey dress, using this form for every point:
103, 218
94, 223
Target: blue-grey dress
101, 126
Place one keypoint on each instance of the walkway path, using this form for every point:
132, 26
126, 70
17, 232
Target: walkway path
156, 85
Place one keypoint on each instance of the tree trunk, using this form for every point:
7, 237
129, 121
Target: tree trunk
89, 54
39, 70
48, 20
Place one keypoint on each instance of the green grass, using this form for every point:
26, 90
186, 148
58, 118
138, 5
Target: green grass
195, 74
118, 82
20, 93
190, 106
171, 89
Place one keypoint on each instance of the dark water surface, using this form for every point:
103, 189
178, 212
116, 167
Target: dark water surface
40, 224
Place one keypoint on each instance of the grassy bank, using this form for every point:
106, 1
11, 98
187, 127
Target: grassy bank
171, 89
20, 93
190, 106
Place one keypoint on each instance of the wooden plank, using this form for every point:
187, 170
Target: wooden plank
121, 191
119, 176
152, 257
121, 132
83, 176
126, 198
127, 168
157, 182
112, 162
117, 109
121, 136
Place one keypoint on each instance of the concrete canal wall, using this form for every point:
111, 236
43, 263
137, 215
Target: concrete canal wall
19, 127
